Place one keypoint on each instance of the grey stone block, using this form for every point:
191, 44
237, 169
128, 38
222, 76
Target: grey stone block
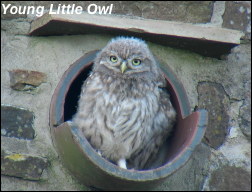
16, 122
214, 99
230, 178
23, 80
245, 118
22, 166
238, 16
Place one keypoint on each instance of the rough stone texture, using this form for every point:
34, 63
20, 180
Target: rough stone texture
212, 97
53, 178
192, 12
23, 166
190, 68
238, 16
17, 123
188, 178
238, 84
230, 178
23, 80
53, 56
245, 118
21, 27
218, 11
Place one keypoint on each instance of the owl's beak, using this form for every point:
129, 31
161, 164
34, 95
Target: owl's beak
123, 66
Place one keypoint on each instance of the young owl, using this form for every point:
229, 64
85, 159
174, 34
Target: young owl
124, 111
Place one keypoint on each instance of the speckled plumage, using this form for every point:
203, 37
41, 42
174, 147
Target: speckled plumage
123, 110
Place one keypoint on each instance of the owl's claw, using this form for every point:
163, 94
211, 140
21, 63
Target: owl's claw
99, 153
122, 163
70, 123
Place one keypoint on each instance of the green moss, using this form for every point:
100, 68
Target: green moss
16, 157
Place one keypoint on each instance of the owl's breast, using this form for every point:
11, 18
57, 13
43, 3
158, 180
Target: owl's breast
128, 123
118, 116
125, 103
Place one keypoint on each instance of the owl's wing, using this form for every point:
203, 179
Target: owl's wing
162, 126
166, 114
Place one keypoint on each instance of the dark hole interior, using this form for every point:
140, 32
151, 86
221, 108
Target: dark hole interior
71, 102
73, 94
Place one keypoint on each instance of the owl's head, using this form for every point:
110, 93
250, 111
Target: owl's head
127, 57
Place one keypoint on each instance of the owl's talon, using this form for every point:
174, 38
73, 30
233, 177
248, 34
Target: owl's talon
99, 152
69, 122
122, 163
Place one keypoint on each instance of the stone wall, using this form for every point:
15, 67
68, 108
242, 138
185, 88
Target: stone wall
31, 68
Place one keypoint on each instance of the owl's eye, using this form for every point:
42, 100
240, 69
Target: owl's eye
136, 62
113, 59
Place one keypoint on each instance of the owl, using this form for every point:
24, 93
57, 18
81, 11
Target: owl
124, 110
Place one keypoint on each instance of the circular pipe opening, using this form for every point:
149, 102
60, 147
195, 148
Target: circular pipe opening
188, 132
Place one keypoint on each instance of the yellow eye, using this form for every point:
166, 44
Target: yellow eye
113, 59
136, 62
